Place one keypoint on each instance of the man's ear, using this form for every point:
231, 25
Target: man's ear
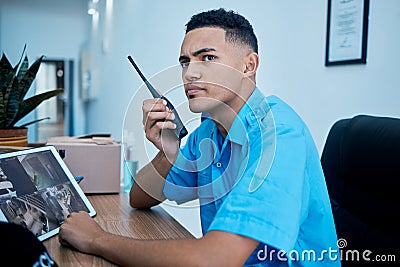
251, 64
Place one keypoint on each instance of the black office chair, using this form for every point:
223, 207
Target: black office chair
361, 163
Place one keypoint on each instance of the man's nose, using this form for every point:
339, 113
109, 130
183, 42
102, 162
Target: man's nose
192, 72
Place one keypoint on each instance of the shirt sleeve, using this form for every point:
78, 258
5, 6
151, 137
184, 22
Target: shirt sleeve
271, 214
181, 181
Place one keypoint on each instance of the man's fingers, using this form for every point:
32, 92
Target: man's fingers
158, 116
154, 106
162, 125
154, 132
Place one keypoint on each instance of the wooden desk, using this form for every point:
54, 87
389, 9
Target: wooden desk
116, 216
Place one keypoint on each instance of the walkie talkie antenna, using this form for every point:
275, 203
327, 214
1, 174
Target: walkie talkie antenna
153, 91
180, 131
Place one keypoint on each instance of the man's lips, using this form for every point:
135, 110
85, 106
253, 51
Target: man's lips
192, 89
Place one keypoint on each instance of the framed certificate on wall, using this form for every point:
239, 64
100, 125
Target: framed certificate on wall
347, 32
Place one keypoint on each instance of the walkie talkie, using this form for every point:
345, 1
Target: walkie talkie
180, 130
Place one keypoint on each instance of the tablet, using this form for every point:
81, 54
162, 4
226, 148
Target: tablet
38, 191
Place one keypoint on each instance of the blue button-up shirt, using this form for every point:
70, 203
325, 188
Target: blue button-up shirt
263, 181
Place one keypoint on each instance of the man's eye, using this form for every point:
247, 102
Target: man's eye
184, 64
208, 57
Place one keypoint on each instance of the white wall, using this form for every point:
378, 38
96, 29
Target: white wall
54, 28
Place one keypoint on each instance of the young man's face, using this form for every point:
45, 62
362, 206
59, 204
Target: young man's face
212, 70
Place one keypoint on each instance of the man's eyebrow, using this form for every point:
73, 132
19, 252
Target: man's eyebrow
202, 50
196, 53
183, 58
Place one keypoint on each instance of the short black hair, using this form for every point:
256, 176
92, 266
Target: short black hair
237, 28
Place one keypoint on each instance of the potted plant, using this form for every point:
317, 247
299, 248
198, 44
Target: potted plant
14, 85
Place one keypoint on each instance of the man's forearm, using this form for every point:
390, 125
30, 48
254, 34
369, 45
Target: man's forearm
128, 252
147, 189
214, 249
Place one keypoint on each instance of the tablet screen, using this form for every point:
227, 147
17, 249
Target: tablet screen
38, 191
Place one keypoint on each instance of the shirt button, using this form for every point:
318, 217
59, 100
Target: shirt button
218, 164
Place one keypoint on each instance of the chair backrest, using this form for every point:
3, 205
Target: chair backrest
361, 163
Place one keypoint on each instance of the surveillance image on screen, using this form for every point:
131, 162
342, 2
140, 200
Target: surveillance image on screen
36, 193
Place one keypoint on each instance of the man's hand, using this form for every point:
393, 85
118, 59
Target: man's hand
158, 126
79, 230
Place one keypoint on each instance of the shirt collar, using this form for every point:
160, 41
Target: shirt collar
255, 108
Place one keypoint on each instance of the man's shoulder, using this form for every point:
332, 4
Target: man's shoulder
278, 105
283, 113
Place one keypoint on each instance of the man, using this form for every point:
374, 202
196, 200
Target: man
252, 163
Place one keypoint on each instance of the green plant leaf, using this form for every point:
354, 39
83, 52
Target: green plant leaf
31, 103
2, 113
25, 83
13, 104
20, 60
6, 72
7, 82
23, 69
34, 121
15, 82
15, 94
5, 67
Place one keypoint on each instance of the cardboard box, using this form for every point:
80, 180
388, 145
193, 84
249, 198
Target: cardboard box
96, 158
